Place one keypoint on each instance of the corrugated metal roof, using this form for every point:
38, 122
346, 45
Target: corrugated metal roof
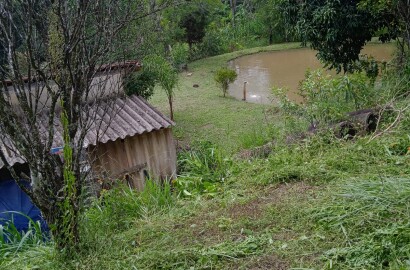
113, 119
126, 117
130, 65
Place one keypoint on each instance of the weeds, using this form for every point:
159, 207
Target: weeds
201, 170
12, 240
123, 204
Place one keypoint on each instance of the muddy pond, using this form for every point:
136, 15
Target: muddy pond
284, 69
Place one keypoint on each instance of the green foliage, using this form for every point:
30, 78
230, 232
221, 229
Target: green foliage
166, 76
212, 44
224, 77
13, 240
328, 99
179, 55
339, 30
123, 205
201, 169
194, 23
140, 83
277, 19
373, 217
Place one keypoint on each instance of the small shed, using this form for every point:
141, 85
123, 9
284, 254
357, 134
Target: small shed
131, 141
137, 144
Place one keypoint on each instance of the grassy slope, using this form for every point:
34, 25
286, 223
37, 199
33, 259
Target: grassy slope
269, 215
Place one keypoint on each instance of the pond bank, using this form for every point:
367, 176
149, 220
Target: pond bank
284, 69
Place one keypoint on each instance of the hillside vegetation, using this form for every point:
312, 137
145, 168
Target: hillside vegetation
316, 203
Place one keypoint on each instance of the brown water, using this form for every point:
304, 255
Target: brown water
284, 69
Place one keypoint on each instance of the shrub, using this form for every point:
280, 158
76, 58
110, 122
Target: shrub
179, 55
224, 77
328, 99
141, 83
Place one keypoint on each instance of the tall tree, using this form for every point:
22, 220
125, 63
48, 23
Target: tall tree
277, 18
64, 46
340, 29
232, 4
165, 75
397, 13
194, 23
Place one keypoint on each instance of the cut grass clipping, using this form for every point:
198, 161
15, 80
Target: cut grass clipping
373, 218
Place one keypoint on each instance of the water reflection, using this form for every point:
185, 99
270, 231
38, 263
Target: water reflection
284, 69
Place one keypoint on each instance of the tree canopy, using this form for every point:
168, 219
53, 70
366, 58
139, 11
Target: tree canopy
340, 29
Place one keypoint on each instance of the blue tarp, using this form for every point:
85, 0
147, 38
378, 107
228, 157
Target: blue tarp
12, 198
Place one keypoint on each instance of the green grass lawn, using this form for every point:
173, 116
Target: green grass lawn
322, 203
203, 114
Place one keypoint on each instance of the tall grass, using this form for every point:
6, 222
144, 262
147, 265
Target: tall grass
201, 169
373, 217
12, 240
118, 208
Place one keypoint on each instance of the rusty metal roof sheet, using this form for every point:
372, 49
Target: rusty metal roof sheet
114, 119
126, 117
130, 65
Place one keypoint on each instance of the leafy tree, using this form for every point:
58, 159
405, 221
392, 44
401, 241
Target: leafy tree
397, 13
194, 24
141, 84
65, 45
165, 75
188, 22
340, 29
276, 18
224, 77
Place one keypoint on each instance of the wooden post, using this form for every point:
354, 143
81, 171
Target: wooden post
244, 90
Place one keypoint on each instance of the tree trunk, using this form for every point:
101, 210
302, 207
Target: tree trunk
171, 109
233, 10
64, 225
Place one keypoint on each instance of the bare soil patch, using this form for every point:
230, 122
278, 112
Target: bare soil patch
208, 227
271, 195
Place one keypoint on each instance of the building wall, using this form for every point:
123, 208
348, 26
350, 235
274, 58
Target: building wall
134, 158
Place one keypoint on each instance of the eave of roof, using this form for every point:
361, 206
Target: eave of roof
122, 117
